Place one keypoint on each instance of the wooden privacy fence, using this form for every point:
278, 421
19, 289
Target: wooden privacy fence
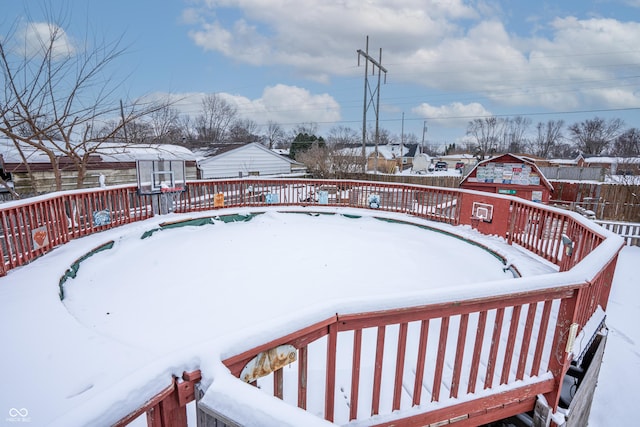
446, 181
466, 360
609, 202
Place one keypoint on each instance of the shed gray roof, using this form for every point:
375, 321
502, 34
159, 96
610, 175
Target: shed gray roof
108, 152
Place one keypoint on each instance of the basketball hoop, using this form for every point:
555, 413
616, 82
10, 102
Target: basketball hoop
171, 190
160, 176
163, 180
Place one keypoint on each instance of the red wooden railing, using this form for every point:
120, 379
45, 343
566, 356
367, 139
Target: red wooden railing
513, 343
513, 331
438, 204
32, 227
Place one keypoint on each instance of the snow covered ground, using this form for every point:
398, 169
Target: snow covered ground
151, 307
617, 392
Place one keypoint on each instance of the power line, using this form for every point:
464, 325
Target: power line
471, 117
539, 113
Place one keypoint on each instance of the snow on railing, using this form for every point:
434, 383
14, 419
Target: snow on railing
32, 227
439, 204
449, 359
629, 231
378, 363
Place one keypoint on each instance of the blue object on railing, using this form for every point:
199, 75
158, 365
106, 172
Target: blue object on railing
374, 201
272, 198
101, 218
323, 197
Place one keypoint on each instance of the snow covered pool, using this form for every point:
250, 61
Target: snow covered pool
137, 312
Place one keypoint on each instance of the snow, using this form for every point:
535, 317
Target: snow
188, 297
617, 391
386, 151
109, 152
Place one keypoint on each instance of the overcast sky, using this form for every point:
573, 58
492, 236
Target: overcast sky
295, 61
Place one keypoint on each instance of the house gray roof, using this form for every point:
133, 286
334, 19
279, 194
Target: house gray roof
233, 149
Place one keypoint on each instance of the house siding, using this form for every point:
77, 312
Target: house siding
249, 159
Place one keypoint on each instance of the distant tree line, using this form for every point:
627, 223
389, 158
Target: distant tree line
590, 137
219, 122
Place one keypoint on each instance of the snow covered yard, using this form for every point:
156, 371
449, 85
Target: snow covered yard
617, 391
151, 307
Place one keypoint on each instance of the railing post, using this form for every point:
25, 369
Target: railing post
560, 358
512, 223
168, 408
332, 343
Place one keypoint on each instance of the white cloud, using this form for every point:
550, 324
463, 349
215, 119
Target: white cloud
41, 37
457, 47
241, 42
455, 114
320, 39
286, 105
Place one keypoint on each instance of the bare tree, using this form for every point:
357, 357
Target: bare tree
346, 163
331, 162
165, 125
317, 160
216, 116
411, 138
187, 129
137, 131
309, 128
486, 134
627, 144
626, 148
563, 150
384, 136
343, 136
548, 135
55, 95
514, 134
275, 135
243, 130
593, 137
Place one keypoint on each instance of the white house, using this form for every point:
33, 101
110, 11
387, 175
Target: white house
251, 159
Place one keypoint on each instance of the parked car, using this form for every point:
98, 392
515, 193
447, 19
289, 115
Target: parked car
441, 166
459, 165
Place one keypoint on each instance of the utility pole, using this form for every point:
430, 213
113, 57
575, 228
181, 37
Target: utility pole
369, 100
402, 142
424, 131
124, 123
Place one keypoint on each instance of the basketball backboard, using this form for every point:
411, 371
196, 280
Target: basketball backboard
482, 211
160, 176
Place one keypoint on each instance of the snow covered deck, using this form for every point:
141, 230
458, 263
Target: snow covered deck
120, 332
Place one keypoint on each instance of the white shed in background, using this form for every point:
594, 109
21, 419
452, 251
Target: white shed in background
250, 159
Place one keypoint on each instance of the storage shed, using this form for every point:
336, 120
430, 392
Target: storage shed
251, 159
112, 163
509, 174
